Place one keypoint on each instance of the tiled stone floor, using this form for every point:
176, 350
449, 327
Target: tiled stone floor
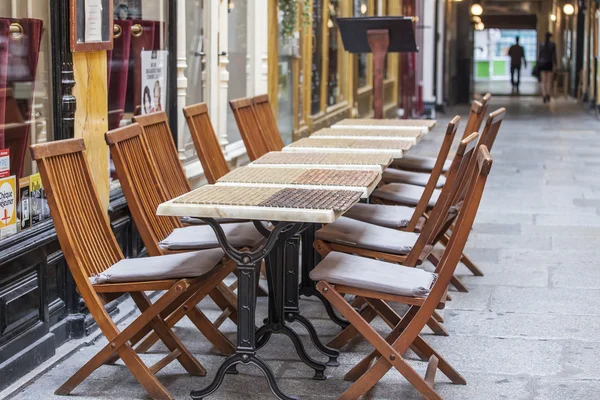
528, 329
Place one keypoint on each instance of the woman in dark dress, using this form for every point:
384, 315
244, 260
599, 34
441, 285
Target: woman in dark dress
546, 62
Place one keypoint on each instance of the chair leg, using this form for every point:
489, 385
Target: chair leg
350, 332
118, 342
470, 265
185, 358
454, 280
436, 327
395, 359
464, 259
443, 365
362, 367
196, 316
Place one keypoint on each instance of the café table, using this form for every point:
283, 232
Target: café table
353, 161
363, 181
289, 210
413, 136
311, 145
370, 123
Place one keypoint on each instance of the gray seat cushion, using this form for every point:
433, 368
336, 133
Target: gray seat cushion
392, 175
172, 266
365, 273
419, 163
405, 194
354, 233
395, 217
198, 237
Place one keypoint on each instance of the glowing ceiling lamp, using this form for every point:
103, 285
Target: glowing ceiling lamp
476, 8
568, 9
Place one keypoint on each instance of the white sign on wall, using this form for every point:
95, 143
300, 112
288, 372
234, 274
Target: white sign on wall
154, 81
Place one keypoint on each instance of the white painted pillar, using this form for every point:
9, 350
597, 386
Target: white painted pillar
211, 74
182, 82
428, 50
258, 48
223, 74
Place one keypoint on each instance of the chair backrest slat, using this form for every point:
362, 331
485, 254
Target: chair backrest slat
435, 173
267, 120
206, 143
487, 138
141, 184
80, 221
475, 117
456, 175
250, 128
157, 134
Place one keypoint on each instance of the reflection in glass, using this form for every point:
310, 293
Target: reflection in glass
237, 35
287, 68
315, 103
333, 74
25, 108
141, 39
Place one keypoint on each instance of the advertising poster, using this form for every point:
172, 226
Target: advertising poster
8, 207
154, 81
36, 199
24, 201
4, 163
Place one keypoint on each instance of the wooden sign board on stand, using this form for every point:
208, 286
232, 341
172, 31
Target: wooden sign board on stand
380, 36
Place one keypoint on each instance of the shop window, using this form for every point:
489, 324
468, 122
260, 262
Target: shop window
237, 42
138, 64
288, 77
361, 9
25, 110
334, 94
317, 58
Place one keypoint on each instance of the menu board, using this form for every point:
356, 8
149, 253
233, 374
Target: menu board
8, 209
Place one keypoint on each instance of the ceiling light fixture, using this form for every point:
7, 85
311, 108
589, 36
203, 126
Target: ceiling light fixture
568, 9
476, 8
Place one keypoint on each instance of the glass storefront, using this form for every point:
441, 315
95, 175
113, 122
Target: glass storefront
138, 64
25, 111
334, 94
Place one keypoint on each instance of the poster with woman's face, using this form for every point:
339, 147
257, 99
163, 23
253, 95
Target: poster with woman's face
127, 9
154, 78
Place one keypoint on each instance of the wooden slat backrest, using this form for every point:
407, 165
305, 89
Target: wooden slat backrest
267, 120
81, 222
438, 216
141, 185
487, 138
250, 128
156, 132
474, 120
453, 252
435, 173
485, 103
206, 143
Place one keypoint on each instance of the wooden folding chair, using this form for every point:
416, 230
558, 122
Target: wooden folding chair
205, 142
422, 164
421, 245
143, 188
268, 122
337, 274
92, 252
250, 128
157, 135
364, 212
